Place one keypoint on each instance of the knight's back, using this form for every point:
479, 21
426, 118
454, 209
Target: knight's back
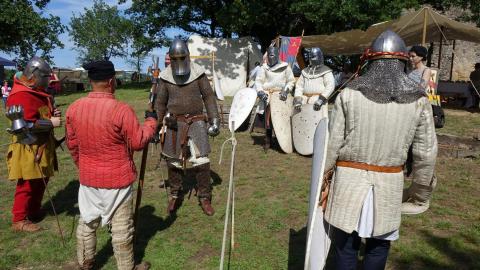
379, 133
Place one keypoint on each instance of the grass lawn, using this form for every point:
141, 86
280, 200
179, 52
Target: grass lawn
270, 212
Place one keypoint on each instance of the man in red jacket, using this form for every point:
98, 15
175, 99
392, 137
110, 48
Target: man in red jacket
102, 134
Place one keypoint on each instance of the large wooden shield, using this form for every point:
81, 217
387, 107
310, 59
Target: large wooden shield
281, 112
304, 124
242, 105
318, 240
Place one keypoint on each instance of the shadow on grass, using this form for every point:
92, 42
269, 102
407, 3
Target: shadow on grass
458, 255
65, 200
296, 248
297, 244
149, 224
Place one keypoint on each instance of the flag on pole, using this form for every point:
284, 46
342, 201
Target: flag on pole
289, 49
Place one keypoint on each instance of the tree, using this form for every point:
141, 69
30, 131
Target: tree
100, 32
26, 32
267, 19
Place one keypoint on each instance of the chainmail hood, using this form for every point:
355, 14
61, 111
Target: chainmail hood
385, 81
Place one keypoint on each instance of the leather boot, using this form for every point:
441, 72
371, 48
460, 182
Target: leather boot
173, 204
87, 265
206, 205
175, 182
25, 226
143, 266
204, 187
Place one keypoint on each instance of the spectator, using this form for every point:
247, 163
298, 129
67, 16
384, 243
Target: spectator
475, 79
420, 73
5, 92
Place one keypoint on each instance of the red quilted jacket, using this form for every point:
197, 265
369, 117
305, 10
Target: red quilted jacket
102, 134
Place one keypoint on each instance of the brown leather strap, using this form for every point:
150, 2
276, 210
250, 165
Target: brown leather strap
311, 94
271, 91
189, 119
369, 167
40, 151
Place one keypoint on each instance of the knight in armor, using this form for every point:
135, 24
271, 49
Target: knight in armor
274, 76
316, 83
31, 158
182, 93
374, 121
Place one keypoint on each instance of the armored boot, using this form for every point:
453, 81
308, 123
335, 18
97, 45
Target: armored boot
416, 199
204, 188
176, 196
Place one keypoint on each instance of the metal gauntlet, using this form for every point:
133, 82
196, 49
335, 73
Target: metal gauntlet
297, 103
319, 103
214, 128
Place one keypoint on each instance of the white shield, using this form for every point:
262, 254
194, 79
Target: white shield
318, 240
281, 112
304, 124
242, 105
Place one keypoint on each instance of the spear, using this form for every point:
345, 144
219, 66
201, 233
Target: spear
141, 178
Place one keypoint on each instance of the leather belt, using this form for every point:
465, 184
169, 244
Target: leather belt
189, 120
311, 94
369, 167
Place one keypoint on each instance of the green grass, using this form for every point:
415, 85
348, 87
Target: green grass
270, 212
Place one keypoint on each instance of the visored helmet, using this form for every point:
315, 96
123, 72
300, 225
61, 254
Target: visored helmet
38, 72
179, 57
316, 56
272, 56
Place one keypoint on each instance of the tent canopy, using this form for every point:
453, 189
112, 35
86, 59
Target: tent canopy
6, 62
410, 27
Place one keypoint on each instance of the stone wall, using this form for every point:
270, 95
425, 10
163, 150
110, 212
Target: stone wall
466, 55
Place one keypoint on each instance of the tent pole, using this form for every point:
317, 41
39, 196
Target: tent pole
440, 50
453, 58
424, 36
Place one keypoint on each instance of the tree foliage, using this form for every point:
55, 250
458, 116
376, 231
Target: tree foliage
267, 19
101, 32
26, 32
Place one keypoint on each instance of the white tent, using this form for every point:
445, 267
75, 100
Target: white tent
231, 59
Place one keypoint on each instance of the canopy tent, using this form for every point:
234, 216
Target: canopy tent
231, 59
417, 27
6, 62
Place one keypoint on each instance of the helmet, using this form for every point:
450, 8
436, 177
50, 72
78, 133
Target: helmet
38, 72
179, 57
272, 56
316, 56
387, 45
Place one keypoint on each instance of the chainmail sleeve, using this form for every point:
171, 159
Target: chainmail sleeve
336, 128
161, 101
299, 86
208, 97
424, 146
